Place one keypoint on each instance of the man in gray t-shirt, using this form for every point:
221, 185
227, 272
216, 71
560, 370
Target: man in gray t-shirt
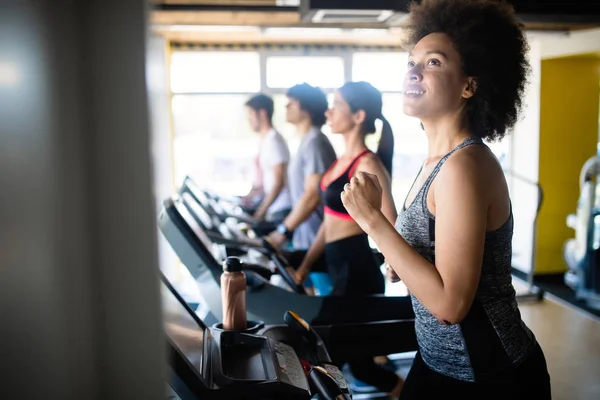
315, 155
306, 109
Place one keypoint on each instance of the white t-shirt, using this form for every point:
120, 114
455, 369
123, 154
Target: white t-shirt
273, 151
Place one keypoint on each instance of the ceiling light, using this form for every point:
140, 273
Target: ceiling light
206, 28
307, 32
370, 32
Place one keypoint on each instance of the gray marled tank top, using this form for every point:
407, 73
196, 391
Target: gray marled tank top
492, 339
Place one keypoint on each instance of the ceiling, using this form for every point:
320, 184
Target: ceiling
251, 21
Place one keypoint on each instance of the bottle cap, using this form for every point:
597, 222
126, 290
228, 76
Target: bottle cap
232, 264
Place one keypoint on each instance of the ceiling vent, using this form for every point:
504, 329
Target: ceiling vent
350, 16
287, 3
349, 11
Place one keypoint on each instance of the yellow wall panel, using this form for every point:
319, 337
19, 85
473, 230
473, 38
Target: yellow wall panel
568, 137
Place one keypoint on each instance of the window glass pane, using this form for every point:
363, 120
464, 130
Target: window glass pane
287, 130
385, 71
205, 71
213, 142
324, 72
410, 147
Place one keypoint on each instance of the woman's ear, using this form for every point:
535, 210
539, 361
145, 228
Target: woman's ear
470, 88
359, 117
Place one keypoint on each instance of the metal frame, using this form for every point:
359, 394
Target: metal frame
534, 293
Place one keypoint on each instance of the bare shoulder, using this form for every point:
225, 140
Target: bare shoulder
371, 163
475, 173
474, 163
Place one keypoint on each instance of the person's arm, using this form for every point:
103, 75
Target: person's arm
372, 165
256, 190
302, 209
388, 207
446, 289
316, 250
279, 172
315, 161
249, 199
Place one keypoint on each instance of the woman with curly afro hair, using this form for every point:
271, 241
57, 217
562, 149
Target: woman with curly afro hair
451, 244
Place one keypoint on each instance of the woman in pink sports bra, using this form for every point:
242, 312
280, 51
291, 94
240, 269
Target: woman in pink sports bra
350, 260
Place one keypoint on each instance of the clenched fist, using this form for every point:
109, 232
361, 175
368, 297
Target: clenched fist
362, 197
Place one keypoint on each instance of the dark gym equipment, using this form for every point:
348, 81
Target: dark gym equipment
382, 325
261, 362
582, 253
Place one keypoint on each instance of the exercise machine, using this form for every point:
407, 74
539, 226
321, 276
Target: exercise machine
261, 362
234, 225
370, 325
533, 292
222, 224
582, 253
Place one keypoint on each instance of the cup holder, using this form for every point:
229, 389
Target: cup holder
252, 327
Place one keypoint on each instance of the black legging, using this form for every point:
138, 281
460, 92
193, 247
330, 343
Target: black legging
295, 258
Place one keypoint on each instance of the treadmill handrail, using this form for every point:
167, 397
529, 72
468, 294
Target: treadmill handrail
210, 203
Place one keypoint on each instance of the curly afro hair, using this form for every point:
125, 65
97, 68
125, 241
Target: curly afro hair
493, 47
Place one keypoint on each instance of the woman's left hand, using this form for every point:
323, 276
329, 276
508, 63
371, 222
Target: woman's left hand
362, 197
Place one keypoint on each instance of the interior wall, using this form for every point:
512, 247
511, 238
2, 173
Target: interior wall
161, 144
572, 44
47, 299
568, 137
79, 287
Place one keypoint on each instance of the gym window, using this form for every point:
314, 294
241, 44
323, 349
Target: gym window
213, 142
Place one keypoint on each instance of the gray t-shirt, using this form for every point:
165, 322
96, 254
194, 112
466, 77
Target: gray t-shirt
314, 156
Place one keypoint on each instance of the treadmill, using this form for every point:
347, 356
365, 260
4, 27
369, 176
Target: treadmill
262, 362
370, 325
224, 227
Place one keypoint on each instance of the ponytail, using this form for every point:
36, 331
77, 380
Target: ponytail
385, 148
364, 96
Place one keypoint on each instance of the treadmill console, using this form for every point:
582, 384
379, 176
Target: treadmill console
272, 366
213, 364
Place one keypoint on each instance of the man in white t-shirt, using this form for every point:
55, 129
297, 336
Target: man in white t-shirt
270, 164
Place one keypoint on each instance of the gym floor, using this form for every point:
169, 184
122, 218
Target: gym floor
570, 338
